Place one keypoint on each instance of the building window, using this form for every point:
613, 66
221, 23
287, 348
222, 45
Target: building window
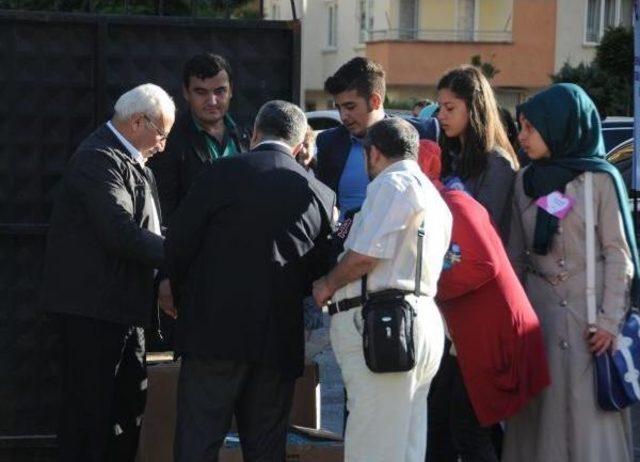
332, 25
466, 20
409, 17
275, 11
602, 14
365, 19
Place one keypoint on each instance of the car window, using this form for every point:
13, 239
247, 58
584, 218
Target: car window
615, 135
322, 123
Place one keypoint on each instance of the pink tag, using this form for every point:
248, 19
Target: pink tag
556, 204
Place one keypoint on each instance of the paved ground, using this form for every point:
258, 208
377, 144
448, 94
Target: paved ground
333, 396
331, 387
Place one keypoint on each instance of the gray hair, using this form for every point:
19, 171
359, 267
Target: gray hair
282, 121
146, 99
395, 138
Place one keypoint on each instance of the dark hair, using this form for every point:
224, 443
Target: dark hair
360, 74
484, 131
422, 103
509, 124
204, 66
282, 121
395, 138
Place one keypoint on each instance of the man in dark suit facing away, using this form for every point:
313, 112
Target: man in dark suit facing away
102, 248
242, 252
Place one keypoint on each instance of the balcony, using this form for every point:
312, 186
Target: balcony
498, 36
524, 55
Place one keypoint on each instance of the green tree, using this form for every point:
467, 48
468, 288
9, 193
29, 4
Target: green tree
608, 79
614, 54
208, 8
486, 67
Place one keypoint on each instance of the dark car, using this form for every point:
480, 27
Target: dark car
617, 133
622, 157
329, 118
616, 130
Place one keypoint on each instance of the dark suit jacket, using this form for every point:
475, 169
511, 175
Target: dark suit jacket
334, 146
185, 156
101, 254
242, 251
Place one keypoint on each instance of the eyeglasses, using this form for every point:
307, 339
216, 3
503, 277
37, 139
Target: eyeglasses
163, 136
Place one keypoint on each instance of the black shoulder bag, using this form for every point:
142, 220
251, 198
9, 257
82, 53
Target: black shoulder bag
387, 336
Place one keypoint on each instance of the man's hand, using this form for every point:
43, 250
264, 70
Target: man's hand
165, 299
322, 293
600, 341
353, 266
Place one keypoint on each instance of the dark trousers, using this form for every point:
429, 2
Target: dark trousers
104, 386
211, 391
453, 429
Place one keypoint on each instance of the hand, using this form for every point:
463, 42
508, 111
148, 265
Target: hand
304, 157
600, 341
322, 293
165, 299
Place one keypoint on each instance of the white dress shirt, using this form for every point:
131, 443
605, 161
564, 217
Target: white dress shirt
139, 158
278, 142
386, 227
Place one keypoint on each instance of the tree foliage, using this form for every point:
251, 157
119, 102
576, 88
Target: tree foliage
486, 67
208, 8
608, 79
615, 53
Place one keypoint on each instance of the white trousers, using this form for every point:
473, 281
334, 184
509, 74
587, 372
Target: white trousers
387, 412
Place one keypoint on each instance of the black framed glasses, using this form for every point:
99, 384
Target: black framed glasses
163, 136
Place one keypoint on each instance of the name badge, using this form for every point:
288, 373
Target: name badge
556, 204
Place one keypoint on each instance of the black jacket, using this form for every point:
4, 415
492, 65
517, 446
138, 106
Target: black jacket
101, 254
334, 146
242, 251
184, 157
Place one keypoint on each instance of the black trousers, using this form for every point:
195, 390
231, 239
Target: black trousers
104, 387
453, 428
211, 391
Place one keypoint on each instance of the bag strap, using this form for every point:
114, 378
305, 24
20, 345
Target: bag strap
591, 251
418, 272
418, 281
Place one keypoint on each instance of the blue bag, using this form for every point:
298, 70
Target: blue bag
617, 373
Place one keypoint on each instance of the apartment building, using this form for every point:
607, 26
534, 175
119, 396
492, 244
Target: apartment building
418, 40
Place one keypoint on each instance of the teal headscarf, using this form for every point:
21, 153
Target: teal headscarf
569, 124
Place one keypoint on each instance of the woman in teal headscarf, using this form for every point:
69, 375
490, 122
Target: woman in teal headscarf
561, 134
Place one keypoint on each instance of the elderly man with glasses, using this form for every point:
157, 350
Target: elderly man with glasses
102, 248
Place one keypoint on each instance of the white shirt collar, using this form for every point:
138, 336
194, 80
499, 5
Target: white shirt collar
402, 165
281, 143
135, 154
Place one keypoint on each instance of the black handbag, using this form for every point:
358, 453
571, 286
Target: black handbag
387, 336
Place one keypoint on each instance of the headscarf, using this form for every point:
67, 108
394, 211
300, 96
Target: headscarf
428, 111
569, 124
429, 161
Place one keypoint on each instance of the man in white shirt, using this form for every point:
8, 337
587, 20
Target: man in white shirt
387, 413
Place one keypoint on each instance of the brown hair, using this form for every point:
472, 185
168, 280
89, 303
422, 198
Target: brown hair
484, 131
